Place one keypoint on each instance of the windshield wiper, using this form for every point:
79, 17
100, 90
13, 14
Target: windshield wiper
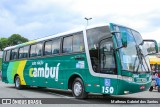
141, 57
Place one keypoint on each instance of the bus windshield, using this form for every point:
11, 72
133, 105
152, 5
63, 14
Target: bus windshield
133, 57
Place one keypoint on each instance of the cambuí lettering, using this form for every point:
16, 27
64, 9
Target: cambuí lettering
45, 72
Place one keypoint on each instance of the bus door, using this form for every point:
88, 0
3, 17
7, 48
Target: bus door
108, 70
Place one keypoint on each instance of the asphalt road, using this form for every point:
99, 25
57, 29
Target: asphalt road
8, 91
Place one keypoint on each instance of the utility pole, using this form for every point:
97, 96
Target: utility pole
87, 19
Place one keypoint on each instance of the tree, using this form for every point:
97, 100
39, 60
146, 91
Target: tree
16, 39
3, 43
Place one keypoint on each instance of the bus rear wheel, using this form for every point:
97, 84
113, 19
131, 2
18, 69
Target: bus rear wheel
18, 83
78, 90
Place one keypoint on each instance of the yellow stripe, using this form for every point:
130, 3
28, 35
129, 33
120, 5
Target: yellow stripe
20, 71
30, 42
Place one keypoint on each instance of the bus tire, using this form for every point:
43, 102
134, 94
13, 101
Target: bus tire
151, 88
78, 90
18, 83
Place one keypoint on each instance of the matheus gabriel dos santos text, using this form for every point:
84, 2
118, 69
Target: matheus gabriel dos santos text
135, 101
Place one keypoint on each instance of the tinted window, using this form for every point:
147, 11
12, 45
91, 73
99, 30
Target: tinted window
78, 44
73, 43
48, 48
7, 57
25, 51
95, 34
39, 49
20, 53
36, 50
33, 51
56, 46
107, 59
14, 54
67, 44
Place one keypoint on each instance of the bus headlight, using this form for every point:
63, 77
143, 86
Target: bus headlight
130, 79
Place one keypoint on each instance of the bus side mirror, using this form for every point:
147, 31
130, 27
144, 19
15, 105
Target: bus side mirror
151, 46
124, 39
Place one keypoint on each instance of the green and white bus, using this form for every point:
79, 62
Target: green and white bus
106, 59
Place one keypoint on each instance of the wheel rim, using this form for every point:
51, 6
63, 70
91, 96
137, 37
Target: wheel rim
77, 88
17, 82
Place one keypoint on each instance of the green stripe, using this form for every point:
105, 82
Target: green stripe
14, 69
11, 71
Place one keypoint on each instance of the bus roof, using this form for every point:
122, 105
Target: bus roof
54, 36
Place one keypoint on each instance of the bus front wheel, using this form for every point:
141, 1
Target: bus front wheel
78, 90
18, 83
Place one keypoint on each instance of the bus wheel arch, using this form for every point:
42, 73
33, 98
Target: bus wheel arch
71, 80
15, 77
77, 81
17, 82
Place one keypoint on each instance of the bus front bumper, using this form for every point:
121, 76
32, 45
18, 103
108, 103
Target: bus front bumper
126, 87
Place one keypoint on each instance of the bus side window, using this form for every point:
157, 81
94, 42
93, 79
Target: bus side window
48, 48
14, 54
67, 44
33, 51
25, 51
39, 49
56, 46
78, 43
20, 53
7, 56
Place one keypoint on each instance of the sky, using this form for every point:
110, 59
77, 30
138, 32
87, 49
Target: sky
39, 18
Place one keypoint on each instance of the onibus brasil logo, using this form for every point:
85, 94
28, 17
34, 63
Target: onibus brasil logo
45, 72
